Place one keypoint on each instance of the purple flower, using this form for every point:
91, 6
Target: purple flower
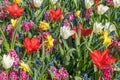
71, 16
110, 2
11, 35
27, 25
24, 75
87, 13
3, 75
13, 75
13, 54
66, 23
31, 4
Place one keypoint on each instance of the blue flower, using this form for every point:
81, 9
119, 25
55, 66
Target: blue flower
17, 49
118, 65
51, 63
38, 61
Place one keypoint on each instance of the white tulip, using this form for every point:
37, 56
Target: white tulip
88, 3
65, 32
37, 3
53, 1
102, 9
7, 61
109, 27
116, 3
97, 27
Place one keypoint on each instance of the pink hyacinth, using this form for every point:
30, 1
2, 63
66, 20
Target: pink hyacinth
11, 35
13, 54
107, 73
66, 22
27, 25
59, 73
24, 75
110, 2
3, 75
13, 75
87, 13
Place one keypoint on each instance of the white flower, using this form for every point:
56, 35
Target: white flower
7, 61
97, 27
53, 1
65, 32
88, 3
109, 27
102, 9
37, 3
116, 3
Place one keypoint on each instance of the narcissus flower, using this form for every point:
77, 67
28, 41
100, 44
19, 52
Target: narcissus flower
7, 61
65, 32
31, 45
14, 10
107, 39
102, 9
14, 22
55, 15
102, 59
25, 67
44, 25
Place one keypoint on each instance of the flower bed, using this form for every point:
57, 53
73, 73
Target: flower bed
59, 40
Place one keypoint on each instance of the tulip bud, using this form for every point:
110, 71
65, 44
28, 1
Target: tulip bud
7, 61
116, 3
37, 3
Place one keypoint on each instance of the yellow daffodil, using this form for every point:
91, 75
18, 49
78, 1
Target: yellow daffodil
44, 25
24, 66
107, 39
49, 41
17, 1
14, 22
77, 13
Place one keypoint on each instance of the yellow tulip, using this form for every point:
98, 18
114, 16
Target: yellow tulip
17, 1
14, 22
49, 41
24, 66
77, 13
44, 25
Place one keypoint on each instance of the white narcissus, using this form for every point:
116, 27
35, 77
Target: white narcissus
7, 61
37, 3
89, 3
116, 3
109, 27
65, 32
97, 27
102, 9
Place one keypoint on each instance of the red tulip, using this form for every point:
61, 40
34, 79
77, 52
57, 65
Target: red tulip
55, 14
102, 59
84, 32
14, 10
31, 45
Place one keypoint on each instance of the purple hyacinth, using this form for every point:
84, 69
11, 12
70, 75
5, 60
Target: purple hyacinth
13, 75
24, 75
3, 75
13, 54
87, 13
27, 25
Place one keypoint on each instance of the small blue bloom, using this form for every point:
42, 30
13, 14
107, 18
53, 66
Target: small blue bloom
118, 65
51, 63
38, 61
112, 33
17, 49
